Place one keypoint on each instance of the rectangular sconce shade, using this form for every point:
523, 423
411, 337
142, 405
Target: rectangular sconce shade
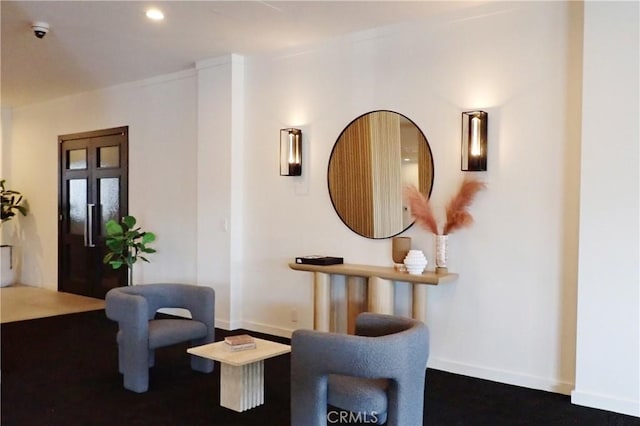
290, 152
474, 141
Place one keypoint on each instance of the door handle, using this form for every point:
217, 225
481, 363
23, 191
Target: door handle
88, 231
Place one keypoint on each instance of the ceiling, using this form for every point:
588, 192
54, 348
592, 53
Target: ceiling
95, 44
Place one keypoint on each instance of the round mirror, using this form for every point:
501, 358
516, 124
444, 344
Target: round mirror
375, 156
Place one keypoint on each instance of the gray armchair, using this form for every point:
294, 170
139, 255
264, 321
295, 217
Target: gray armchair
139, 334
378, 374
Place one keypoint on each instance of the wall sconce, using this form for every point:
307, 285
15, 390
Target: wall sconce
290, 152
474, 141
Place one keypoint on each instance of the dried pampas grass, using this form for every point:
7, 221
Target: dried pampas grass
420, 208
457, 215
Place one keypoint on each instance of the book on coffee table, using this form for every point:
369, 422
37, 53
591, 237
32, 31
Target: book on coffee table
240, 342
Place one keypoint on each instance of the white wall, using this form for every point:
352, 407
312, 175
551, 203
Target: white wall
5, 138
511, 314
608, 361
161, 115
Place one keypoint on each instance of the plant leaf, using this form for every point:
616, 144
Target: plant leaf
148, 237
113, 227
115, 245
130, 221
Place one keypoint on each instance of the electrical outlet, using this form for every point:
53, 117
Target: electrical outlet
294, 315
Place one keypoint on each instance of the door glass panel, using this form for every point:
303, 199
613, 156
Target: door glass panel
77, 206
109, 201
109, 156
77, 159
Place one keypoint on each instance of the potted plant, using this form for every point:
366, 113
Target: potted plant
126, 244
11, 202
457, 215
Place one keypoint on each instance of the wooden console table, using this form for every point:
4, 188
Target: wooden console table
375, 281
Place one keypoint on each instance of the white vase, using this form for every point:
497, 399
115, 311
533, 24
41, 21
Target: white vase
415, 262
441, 253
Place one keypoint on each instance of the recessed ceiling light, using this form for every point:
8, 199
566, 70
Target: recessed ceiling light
155, 14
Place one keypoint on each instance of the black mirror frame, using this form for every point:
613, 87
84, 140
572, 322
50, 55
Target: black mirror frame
329, 168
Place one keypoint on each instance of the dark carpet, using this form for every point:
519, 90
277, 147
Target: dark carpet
63, 371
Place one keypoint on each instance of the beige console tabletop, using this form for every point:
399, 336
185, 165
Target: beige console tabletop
378, 284
241, 372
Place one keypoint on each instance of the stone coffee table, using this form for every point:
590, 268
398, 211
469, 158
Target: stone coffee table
241, 372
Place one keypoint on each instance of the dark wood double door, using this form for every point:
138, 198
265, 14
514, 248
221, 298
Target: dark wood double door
93, 189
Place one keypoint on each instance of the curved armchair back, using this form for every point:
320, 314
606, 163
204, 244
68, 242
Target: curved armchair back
198, 300
387, 356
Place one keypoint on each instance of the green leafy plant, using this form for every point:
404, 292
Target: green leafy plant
10, 202
126, 243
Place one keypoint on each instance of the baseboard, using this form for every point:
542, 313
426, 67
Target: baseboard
223, 324
501, 376
176, 312
228, 325
267, 329
605, 402
234, 325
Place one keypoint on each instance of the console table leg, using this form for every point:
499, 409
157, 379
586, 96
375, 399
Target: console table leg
322, 301
420, 302
380, 295
356, 300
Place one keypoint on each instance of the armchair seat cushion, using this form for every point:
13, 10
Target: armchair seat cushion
166, 332
349, 392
